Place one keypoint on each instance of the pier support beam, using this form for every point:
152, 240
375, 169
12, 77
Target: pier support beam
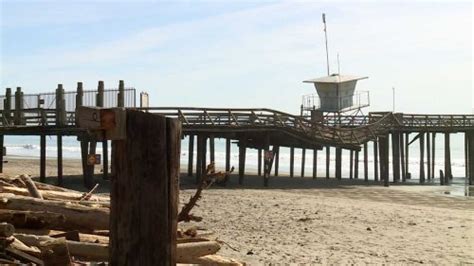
303, 161
396, 156
338, 163
422, 157
267, 161
470, 162
105, 163
328, 158
383, 154
190, 155
60, 160
212, 150
428, 155
315, 163
277, 159
366, 163
407, 156
1, 153
227, 155
351, 164
201, 156
356, 165
433, 154
292, 161
376, 160
242, 155
402, 157
447, 157
259, 162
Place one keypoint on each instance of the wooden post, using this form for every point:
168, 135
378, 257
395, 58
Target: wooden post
422, 157
144, 194
356, 165
201, 157
212, 151
1, 153
447, 157
227, 155
18, 115
303, 161
383, 150
60, 106
242, 155
266, 162
121, 94
339, 163
328, 157
402, 156
292, 160
466, 156
471, 158
396, 156
42, 158
351, 164
100, 94
88, 179
105, 155
190, 155
428, 155
277, 159
315, 163
7, 107
433, 157
79, 98
407, 156
366, 163
60, 159
376, 160
259, 161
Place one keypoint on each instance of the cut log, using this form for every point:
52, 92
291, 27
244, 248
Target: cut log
89, 238
55, 252
30, 185
55, 195
189, 252
19, 245
6, 229
33, 220
77, 216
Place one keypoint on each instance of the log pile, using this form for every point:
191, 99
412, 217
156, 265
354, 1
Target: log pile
47, 225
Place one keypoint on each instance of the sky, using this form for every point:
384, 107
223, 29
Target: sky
243, 53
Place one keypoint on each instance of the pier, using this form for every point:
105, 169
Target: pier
266, 130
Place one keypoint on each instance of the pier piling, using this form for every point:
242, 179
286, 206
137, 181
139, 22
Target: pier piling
422, 157
277, 159
328, 158
292, 161
402, 157
366, 163
383, 154
259, 161
356, 165
190, 154
428, 155
376, 160
447, 157
351, 164
315, 163
227, 154
338, 163
242, 154
303, 161
396, 156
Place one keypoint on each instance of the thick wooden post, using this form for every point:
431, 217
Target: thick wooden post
190, 155
303, 161
18, 115
100, 94
121, 94
292, 161
396, 156
315, 163
60, 159
88, 179
242, 155
402, 156
383, 150
407, 156
376, 160
428, 155
366, 163
266, 161
328, 157
144, 194
227, 155
201, 157
422, 157
1, 153
60, 106
105, 163
79, 98
212, 150
433, 157
339, 163
466, 156
7, 107
447, 157
351, 164
42, 157
356, 165
277, 159
259, 161
471, 158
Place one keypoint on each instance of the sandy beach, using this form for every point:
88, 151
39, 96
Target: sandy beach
321, 221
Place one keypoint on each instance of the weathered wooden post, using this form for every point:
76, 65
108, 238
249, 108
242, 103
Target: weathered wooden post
433, 157
407, 156
212, 151
428, 155
267, 161
351, 164
422, 157
259, 161
277, 159
292, 160
339, 163
18, 115
315, 163
303, 161
227, 154
7, 107
466, 156
471, 158
60, 121
447, 156
366, 163
201, 157
242, 155
60, 159
1, 153
42, 157
383, 150
79, 99
396, 156
121, 94
190, 154
356, 165
105, 144
376, 160
402, 156
328, 157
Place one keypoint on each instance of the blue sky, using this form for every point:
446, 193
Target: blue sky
243, 53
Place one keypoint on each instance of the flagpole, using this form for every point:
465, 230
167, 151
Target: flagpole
326, 38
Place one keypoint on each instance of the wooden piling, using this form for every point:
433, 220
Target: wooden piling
292, 161
100, 94
383, 154
407, 156
351, 164
471, 158
338, 163
422, 157
396, 156
60, 159
212, 150
88, 179
447, 156
366, 163
428, 155
190, 154
433, 157
277, 159
18, 115
266, 161
105, 163
303, 161
1, 153
201, 157
466, 156
7, 106
356, 165
259, 162
328, 158
402, 156
79, 98
121, 94
242, 156
376, 160
315, 163
227, 155
60, 106
144, 196
42, 158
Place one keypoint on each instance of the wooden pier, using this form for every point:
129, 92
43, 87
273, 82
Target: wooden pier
266, 130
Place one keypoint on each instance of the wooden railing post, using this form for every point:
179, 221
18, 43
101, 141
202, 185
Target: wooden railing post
121, 94
79, 98
60, 106
19, 115
7, 107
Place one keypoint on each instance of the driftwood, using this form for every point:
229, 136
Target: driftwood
89, 238
55, 252
216, 260
88, 195
30, 185
6, 230
19, 245
77, 216
189, 252
33, 219
53, 195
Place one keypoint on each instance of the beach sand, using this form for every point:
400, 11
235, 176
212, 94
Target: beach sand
300, 220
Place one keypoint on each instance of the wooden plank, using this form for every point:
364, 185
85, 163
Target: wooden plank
144, 195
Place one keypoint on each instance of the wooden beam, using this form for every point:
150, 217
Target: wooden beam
466, 156
428, 155
292, 161
303, 161
366, 163
60, 159
470, 162
383, 154
212, 150
144, 194
402, 156
242, 157
447, 157
376, 159
422, 156
328, 158
315, 163
407, 156
339, 163
105, 160
277, 159
227, 154
356, 165
190, 154
267, 161
259, 161
1, 152
433, 154
351, 164
396, 156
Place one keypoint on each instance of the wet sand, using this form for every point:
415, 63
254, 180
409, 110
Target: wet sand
300, 220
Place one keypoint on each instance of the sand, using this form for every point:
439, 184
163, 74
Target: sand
300, 220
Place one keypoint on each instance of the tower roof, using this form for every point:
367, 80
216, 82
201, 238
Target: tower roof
335, 78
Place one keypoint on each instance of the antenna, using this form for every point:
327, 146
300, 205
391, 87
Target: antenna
338, 65
326, 38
